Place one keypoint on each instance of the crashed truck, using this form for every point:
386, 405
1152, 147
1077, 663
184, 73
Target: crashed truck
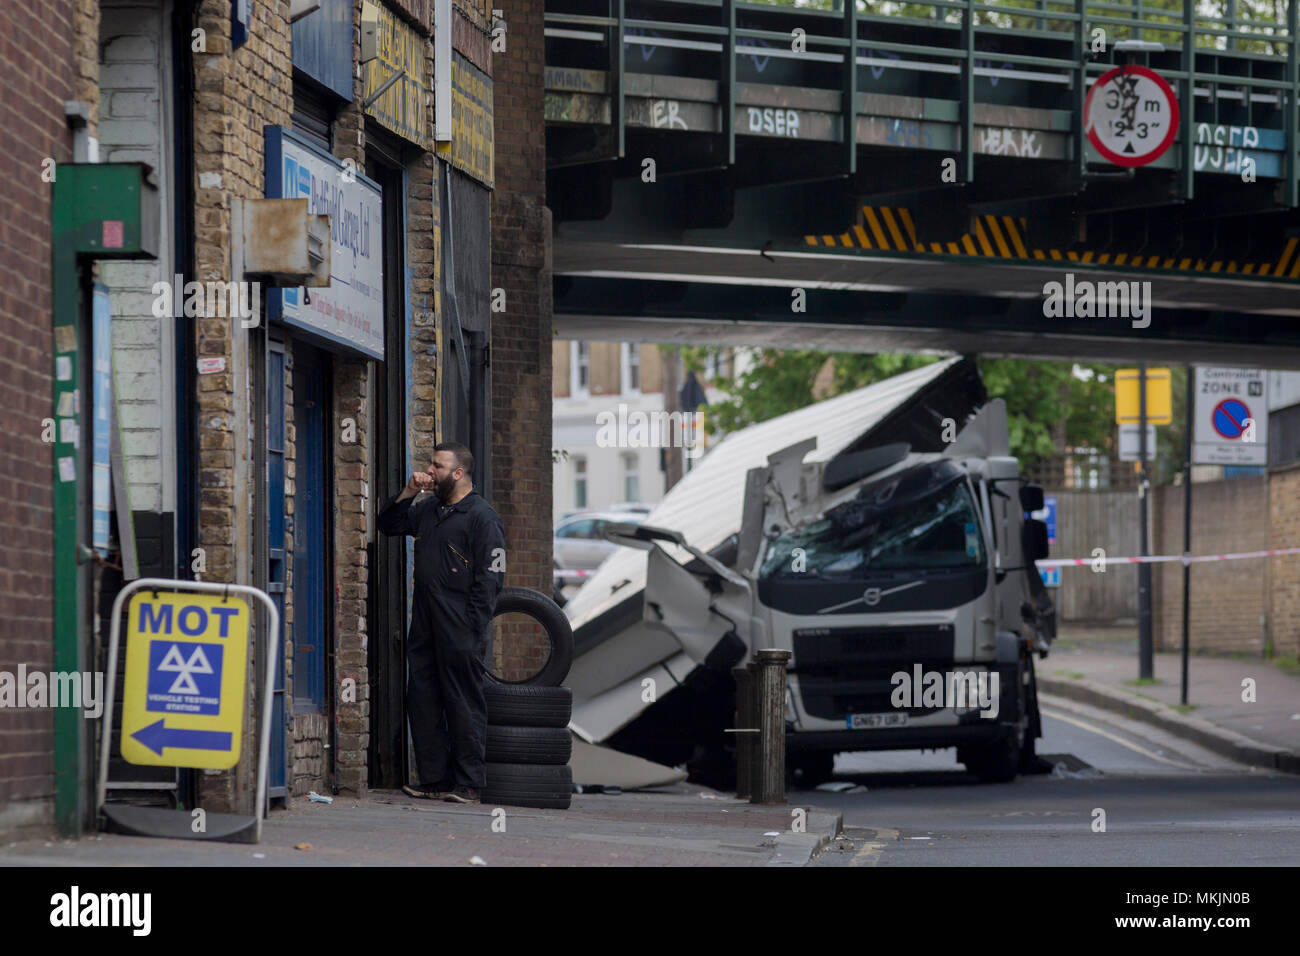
882, 538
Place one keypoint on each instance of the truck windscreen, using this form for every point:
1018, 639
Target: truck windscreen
938, 530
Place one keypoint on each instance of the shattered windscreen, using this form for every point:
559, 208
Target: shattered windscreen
937, 530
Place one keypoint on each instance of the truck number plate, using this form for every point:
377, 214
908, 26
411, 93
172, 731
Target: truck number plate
873, 721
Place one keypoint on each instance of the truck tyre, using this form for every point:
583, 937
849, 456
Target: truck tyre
547, 613
528, 785
523, 705
810, 769
994, 763
548, 746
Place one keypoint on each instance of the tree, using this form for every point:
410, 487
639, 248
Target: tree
1051, 406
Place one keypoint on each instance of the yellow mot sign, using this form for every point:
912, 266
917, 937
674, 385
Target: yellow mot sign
404, 106
471, 146
1160, 408
183, 698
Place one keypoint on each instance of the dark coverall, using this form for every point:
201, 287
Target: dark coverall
455, 593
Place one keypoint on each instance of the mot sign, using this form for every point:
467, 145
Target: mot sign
183, 697
1231, 425
1131, 116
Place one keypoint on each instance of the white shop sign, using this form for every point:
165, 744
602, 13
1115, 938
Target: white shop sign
350, 312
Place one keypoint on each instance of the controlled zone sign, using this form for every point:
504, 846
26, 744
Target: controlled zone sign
183, 698
1131, 115
1231, 425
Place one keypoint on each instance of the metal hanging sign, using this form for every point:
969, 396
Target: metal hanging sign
1131, 115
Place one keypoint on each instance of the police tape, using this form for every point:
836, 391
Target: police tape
1184, 559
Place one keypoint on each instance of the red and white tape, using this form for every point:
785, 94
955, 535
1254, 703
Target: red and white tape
1158, 558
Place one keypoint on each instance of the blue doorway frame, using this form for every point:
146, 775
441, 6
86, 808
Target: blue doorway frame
276, 366
312, 541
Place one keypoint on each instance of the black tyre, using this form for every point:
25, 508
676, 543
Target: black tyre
531, 745
528, 785
810, 769
994, 763
523, 705
547, 613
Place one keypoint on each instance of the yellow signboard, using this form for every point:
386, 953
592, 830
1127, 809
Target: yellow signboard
404, 106
1160, 408
183, 699
471, 148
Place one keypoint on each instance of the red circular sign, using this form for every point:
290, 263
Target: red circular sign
1131, 115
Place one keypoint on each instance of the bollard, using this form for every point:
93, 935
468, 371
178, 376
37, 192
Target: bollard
769, 690
745, 724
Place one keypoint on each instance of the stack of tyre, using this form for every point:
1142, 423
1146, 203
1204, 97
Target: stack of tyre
528, 739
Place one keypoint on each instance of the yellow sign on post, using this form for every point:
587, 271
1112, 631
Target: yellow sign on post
183, 698
1160, 405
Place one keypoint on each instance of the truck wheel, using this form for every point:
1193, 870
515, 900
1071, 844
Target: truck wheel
810, 769
993, 763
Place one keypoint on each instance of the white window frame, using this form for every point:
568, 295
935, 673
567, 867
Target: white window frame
576, 389
580, 475
631, 468
625, 368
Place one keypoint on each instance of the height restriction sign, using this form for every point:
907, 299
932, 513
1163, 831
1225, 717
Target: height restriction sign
1131, 115
183, 697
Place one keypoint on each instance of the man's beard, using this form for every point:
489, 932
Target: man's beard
445, 488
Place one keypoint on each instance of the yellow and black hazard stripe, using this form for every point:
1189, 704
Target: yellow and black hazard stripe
890, 229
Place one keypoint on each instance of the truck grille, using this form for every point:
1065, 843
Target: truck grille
847, 670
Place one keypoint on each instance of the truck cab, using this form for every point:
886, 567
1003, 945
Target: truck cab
903, 585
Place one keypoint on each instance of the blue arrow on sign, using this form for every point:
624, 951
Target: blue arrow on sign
158, 735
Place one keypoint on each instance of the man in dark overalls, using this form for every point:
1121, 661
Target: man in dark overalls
459, 570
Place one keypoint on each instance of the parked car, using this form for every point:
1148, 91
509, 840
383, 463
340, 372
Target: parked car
579, 544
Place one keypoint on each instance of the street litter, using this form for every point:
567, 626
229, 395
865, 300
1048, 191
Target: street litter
708, 796
1061, 772
302, 846
315, 797
772, 833
259, 856
834, 786
477, 861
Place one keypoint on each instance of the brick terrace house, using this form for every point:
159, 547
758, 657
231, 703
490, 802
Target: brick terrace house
256, 449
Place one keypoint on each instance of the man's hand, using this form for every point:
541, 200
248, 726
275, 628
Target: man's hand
418, 482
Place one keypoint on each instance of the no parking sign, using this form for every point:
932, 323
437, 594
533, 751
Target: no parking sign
1231, 417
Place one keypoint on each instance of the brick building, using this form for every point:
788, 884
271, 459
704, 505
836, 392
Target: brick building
42, 67
256, 446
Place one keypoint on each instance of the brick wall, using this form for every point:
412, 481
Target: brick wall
236, 94
39, 75
1228, 598
521, 336
1284, 572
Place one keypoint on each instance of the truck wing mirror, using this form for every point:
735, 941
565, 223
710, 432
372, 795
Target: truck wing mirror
1034, 541
1031, 497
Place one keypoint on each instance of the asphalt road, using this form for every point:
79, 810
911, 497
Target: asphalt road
1166, 802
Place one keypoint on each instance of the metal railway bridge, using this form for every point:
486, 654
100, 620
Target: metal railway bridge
923, 194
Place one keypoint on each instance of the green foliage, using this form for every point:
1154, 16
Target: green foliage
1051, 406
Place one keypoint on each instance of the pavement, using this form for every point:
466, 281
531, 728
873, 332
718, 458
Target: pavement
1099, 666
681, 825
